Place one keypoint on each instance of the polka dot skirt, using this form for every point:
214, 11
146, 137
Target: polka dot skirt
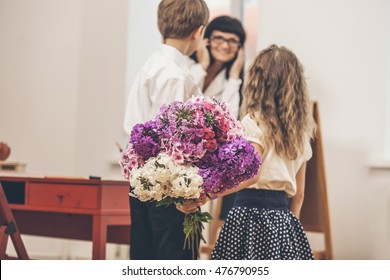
261, 234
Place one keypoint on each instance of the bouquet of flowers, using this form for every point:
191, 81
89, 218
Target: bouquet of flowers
189, 150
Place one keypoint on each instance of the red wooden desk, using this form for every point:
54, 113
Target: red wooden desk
96, 210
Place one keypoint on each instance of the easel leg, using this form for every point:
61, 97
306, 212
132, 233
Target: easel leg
9, 229
3, 242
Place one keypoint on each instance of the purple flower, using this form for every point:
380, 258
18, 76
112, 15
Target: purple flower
233, 163
145, 140
199, 132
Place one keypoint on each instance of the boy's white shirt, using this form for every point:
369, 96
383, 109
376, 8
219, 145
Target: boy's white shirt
164, 78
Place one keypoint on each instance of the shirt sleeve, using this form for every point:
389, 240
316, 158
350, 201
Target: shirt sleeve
253, 132
308, 152
198, 73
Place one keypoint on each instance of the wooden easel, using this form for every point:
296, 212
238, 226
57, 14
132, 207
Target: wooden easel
315, 210
8, 228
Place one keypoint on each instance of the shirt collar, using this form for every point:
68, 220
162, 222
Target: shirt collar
173, 53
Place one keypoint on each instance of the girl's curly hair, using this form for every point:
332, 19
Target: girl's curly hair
275, 95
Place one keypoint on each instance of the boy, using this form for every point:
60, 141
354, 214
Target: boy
157, 232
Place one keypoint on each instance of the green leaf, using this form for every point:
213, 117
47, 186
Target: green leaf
192, 227
165, 201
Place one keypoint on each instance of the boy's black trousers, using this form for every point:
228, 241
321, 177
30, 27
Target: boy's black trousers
156, 232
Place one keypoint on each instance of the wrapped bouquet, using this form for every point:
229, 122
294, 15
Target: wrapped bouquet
189, 150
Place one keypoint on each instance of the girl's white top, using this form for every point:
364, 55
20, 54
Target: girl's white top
276, 173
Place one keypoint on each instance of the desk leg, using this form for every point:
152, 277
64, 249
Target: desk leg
99, 238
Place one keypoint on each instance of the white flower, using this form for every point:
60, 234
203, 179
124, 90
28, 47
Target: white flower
161, 177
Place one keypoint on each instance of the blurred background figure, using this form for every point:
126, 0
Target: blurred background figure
219, 63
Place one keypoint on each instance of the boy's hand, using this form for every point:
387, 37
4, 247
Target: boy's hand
187, 207
191, 206
202, 200
203, 54
237, 65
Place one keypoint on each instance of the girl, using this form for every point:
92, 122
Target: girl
263, 224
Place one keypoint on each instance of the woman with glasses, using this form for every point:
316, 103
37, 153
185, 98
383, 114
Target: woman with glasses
219, 63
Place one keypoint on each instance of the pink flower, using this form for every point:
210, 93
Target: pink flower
208, 105
129, 160
177, 156
209, 133
224, 125
211, 144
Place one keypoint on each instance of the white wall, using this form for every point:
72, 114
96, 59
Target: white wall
387, 73
39, 82
65, 69
342, 45
62, 71
66, 65
143, 36
102, 80
62, 86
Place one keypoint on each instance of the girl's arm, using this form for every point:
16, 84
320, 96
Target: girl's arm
297, 200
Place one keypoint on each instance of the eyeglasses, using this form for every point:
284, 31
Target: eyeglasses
232, 43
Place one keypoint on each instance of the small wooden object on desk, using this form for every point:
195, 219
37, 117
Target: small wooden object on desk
12, 166
5, 151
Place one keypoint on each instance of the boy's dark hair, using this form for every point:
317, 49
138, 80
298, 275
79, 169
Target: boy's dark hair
179, 18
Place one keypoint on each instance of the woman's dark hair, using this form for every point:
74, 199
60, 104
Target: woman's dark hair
230, 25
226, 24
